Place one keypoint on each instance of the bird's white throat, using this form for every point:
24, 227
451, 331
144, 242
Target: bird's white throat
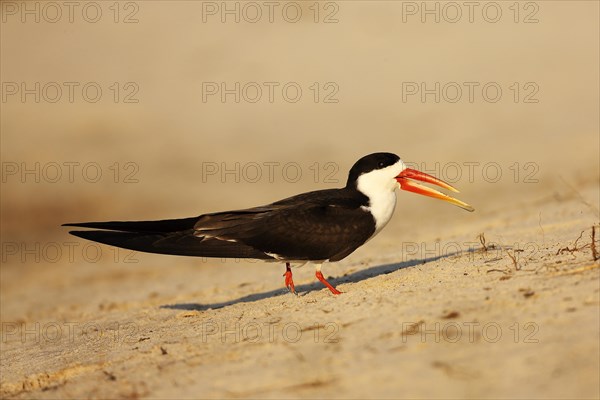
380, 187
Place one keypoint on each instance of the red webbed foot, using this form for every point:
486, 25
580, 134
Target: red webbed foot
289, 282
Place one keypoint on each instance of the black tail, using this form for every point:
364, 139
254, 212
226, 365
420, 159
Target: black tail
174, 236
166, 225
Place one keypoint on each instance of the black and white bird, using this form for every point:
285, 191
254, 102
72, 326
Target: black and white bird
319, 226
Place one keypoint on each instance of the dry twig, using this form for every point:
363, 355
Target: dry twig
481, 238
575, 248
514, 260
595, 256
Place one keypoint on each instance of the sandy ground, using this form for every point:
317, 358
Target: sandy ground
429, 309
437, 324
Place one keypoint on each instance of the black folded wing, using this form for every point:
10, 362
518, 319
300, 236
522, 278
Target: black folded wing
317, 226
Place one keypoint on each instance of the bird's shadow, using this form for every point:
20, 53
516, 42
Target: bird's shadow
353, 277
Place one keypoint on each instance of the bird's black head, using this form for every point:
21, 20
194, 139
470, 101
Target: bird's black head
370, 163
378, 174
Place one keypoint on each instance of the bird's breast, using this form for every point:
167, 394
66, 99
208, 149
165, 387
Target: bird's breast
381, 206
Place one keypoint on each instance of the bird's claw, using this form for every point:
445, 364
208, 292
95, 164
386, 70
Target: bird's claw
289, 282
321, 278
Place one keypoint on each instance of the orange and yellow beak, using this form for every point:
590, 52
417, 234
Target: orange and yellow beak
404, 179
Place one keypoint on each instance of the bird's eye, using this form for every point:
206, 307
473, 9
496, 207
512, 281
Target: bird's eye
380, 164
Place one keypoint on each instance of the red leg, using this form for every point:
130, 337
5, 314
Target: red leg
289, 282
320, 277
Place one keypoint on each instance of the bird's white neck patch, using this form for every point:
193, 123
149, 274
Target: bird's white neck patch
380, 187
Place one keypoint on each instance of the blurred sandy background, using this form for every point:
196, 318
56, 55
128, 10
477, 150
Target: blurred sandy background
545, 146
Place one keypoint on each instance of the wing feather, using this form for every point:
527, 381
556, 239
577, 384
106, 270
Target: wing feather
304, 227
